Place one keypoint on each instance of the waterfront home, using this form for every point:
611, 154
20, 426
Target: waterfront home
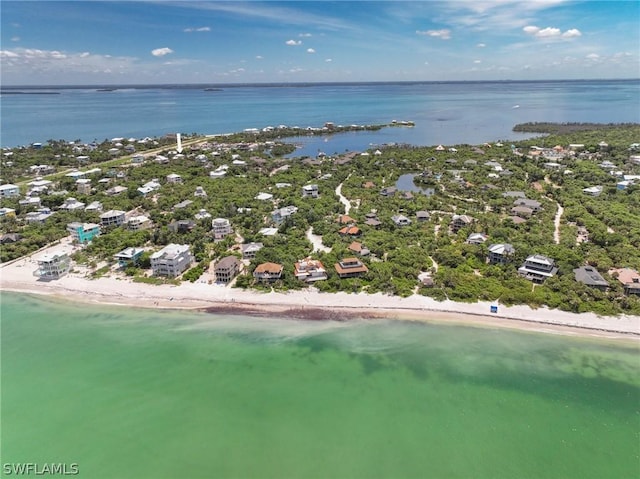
310, 270
359, 249
226, 269
268, 272
221, 228
249, 250
112, 218
629, 278
460, 221
172, 260
53, 265
591, 277
476, 238
401, 220
83, 232
500, 253
129, 257
71, 204
388, 191
350, 268
9, 191
310, 191
537, 268
174, 178
38, 216
138, 222
279, 215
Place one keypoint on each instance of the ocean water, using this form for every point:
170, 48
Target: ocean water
443, 112
168, 394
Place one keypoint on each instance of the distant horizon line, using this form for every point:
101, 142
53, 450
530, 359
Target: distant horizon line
295, 84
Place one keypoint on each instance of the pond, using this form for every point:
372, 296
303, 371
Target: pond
405, 183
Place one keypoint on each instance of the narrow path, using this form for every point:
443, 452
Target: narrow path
556, 222
316, 241
343, 200
435, 265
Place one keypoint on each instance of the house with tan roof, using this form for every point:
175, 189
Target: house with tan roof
350, 268
268, 272
310, 270
629, 278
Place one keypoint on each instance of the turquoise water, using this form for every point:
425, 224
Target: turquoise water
153, 394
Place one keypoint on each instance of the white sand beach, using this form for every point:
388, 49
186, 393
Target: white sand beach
17, 276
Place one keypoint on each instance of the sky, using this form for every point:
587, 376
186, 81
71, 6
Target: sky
169, 42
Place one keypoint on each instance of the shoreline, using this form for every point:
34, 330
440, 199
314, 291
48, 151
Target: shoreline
309, 304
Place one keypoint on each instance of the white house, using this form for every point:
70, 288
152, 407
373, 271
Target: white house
310, 191
221, 228
537, 268
9, 191
172, 260
112, 218
53, 266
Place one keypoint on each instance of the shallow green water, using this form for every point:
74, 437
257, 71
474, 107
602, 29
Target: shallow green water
146, 394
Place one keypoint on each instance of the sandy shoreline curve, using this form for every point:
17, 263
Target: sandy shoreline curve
308, 304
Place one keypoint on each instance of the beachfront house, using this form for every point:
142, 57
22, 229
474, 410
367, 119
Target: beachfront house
129, 257
249, 250
537, 268
350, 268
172, 260
629, 278
221, 228
591, 277
226, 269
500, 253
112, 218
310, 270
268, 272
83, 232
53, 265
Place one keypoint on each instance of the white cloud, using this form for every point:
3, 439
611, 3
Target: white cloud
443, 34
160, 52
477, 61
310, 50
259, 57
550, 32
481, 45
305, 35
593, 56
328, 60
15, 39
197, 29
293, 42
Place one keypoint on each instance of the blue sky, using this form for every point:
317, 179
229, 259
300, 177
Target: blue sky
93, 42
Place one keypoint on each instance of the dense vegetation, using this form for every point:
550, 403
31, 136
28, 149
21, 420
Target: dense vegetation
462, 184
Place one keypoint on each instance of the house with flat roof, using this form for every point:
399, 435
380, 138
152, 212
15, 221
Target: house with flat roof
172, 260
310, 270
174, 178
226, 269
591, 277
128, 257
538, 268
350, 268
83, 232
310, 191
268, 272
53, 265
112, 218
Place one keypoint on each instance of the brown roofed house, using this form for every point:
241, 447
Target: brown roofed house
350, 231
629, 278
350, 268
268, 272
